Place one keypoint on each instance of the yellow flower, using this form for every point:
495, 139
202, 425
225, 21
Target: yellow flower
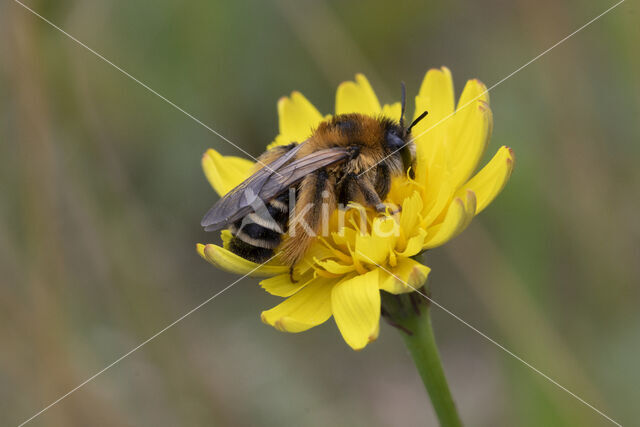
342, 274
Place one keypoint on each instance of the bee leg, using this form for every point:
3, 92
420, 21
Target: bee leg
393, 210
316, 191
348, 189
293, 280
373, 199
383, 180
381, 208
371, 195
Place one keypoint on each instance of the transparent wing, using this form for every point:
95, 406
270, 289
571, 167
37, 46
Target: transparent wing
267, 183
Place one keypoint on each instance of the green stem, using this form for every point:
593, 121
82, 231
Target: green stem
412, 318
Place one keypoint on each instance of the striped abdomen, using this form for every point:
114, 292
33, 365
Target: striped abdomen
257, 235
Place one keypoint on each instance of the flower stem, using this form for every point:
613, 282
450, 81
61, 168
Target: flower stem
412, 318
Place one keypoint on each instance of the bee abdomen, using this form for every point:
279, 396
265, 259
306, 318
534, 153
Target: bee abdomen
257, 235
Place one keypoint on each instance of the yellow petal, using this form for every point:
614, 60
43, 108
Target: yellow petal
227, 260
357, 97
375, 247
414, 244
334, 267
356, 308
303, 310
226, 237
438, 190
454, 222
317, 251
473, 91
491, 179
471, 130
407, 276
470, 206
401, 189
410, 216
435, 96
441, 201
282, 286
297, 118
344, 238
200, 249
392, 111
225, 172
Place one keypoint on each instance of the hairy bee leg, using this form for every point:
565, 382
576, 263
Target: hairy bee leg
314, 216
370, 195
306, 222
383, 180
291, 278
348, 189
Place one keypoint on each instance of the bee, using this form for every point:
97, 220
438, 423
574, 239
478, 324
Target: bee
348, 158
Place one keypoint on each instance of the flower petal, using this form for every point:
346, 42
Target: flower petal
335, 267
471, 130
455, 220
357, 97
491, 179
392, 111
226, 237
317, 251
414, 244
410, 216
356, 308
297, 119
374, 248
227, 260
303, 310
470, 206
436, 93
473, 91
435, 96
225, 172
282, 286
407, 276
438, 190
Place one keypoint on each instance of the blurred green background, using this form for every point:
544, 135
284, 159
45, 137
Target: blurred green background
101, 195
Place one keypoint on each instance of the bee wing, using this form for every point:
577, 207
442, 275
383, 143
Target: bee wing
237, 202
295, 171
267, 183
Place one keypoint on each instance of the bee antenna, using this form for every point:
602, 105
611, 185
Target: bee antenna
417, 120
404, 103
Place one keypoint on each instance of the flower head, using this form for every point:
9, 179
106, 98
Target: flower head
362, 252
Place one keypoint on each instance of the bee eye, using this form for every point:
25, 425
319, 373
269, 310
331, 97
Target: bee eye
394, 141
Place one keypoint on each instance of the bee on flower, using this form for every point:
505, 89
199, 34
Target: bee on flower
338, 207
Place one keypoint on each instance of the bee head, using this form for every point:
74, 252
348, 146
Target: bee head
398, 138
400, 148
